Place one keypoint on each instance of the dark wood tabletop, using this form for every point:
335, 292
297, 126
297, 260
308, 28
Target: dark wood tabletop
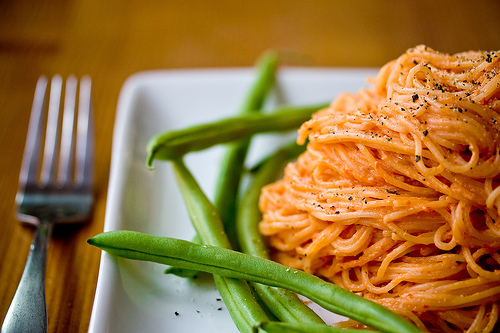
112, 39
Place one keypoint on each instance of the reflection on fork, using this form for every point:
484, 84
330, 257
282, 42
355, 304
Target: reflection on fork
55, 186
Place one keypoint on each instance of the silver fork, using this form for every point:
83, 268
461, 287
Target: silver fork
53, 188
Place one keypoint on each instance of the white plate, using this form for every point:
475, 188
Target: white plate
136, 296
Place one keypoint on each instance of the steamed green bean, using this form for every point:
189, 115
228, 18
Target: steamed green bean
237, 265
277, 327
174, 144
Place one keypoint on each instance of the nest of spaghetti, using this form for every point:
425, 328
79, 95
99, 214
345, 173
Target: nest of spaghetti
397, 197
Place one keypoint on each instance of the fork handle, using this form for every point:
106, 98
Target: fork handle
28, 310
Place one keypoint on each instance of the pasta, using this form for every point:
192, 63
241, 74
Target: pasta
397, 196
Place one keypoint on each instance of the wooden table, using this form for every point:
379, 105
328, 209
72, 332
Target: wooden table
112, 39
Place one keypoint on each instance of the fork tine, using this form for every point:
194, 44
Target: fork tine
51, 148
67, 132
85, 136
31, 158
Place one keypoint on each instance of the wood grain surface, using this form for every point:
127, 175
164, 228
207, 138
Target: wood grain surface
112, 39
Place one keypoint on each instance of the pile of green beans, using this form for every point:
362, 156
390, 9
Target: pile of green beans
206, 218
237, 265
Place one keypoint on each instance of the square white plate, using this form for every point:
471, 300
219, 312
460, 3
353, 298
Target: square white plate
136, 296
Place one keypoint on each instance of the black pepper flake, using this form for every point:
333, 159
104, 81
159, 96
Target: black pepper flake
350, 198
392, 191
417, 158
177, 313
219, 309
414, 98
425, 132
493, 120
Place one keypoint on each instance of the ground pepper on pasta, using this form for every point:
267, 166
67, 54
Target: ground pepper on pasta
397, 196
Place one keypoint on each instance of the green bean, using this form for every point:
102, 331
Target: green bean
277, 327
231, 166
203, 214
174, 144
266, 69
288, 152
283, 303
241, 304
238, 265
183, 273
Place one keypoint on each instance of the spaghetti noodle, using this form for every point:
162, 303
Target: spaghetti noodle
397, 196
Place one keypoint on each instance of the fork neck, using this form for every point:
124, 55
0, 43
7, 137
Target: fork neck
40, 244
